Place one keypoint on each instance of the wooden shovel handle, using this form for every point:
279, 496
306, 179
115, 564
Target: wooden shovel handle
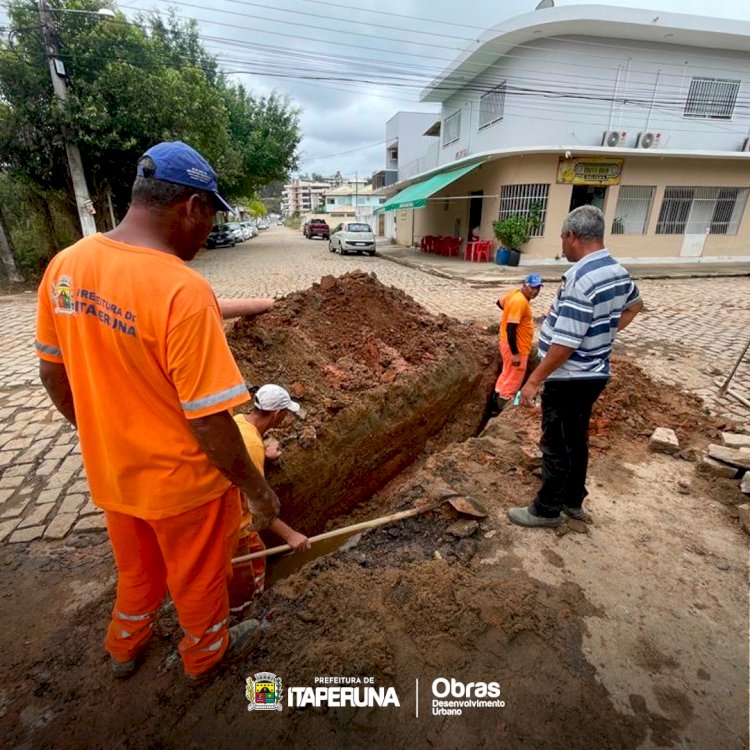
375, 522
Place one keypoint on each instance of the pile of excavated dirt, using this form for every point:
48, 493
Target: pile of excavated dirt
633, 406
378, 377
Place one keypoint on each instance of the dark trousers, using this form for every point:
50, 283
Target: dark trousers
566, 411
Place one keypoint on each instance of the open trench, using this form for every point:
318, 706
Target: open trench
380, 380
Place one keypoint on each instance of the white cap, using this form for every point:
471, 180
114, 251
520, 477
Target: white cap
274, 398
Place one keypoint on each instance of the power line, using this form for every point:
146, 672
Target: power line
495, 54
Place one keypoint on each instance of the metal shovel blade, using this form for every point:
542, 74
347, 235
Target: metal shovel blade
466, 504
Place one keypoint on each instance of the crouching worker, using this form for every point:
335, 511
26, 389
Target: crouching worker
516, 338
271, 405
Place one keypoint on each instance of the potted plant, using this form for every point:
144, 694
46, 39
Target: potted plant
514, 231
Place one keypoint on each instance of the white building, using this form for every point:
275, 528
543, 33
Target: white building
303, 197
644, 113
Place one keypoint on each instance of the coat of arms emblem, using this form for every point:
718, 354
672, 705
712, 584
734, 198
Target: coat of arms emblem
264, 692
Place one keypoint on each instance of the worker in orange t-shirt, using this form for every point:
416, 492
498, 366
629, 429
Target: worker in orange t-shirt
271, 406
516, 338
133, 353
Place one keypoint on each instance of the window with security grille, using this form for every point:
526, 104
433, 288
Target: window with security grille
701, 210
492, 106
712, 98
633, 209
521, 199
452, 128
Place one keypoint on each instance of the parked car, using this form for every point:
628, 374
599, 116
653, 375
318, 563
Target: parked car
317, 228
353, 237
249, 229
221, 236
280, 223
236, 229
262, 224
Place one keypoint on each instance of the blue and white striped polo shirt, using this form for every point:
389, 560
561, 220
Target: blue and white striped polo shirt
585, 315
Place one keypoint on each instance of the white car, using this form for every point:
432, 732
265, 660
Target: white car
353, 237
262, 224
236, 229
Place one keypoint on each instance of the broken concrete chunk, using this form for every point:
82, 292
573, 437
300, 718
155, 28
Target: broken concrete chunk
717, 468
733, 440
664, 440
463, 528
745, 484
744, 516
683, 487
734, 456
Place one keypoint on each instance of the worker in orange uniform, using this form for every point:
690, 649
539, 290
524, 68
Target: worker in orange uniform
271, 406
516, 337
133, 353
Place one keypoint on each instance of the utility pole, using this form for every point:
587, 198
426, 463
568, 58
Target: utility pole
356, 196
75, 165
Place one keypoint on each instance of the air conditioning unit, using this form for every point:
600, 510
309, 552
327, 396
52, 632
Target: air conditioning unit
614, 138
648, 140
745, 145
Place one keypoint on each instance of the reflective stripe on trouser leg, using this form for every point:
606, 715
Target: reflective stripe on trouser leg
197, 546
206, 642
141, 584
133, 626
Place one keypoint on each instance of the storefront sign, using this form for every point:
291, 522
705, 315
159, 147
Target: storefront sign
590, 171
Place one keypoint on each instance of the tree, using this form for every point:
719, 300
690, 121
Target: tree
130, 86
264, 134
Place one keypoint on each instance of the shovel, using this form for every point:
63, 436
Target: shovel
462, 503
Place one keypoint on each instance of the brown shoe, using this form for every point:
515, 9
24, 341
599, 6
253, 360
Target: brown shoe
242, 637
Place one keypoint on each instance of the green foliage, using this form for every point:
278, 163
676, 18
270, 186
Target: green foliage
257, 208
130, 85
514, 231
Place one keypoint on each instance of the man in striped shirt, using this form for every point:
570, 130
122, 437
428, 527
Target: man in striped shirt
596, 299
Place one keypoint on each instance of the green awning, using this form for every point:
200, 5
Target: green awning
416, 196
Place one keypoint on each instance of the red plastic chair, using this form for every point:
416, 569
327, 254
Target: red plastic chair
482, 253
470, 250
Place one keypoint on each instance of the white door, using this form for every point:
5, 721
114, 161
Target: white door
697, 228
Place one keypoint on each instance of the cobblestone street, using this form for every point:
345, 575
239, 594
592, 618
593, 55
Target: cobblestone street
690, 334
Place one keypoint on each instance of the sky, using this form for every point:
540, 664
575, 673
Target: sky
310, 50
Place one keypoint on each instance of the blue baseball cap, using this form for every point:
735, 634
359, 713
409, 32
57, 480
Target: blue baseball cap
180, 164
533, 280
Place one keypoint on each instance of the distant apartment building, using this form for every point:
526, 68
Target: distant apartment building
642, 113
303, 197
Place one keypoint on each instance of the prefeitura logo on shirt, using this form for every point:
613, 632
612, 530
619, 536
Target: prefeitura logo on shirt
62, 296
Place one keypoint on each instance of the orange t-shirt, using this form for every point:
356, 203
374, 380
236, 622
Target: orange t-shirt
516, 309
142, 340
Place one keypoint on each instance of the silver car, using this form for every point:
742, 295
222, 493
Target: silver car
236, 229
352, 237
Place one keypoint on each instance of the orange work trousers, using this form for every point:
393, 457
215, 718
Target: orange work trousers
511, 378
191, 555
249, 578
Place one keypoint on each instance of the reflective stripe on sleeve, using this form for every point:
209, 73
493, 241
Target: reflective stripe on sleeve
215, 398
47, 349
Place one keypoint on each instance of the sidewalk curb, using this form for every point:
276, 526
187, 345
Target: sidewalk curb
552, 276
